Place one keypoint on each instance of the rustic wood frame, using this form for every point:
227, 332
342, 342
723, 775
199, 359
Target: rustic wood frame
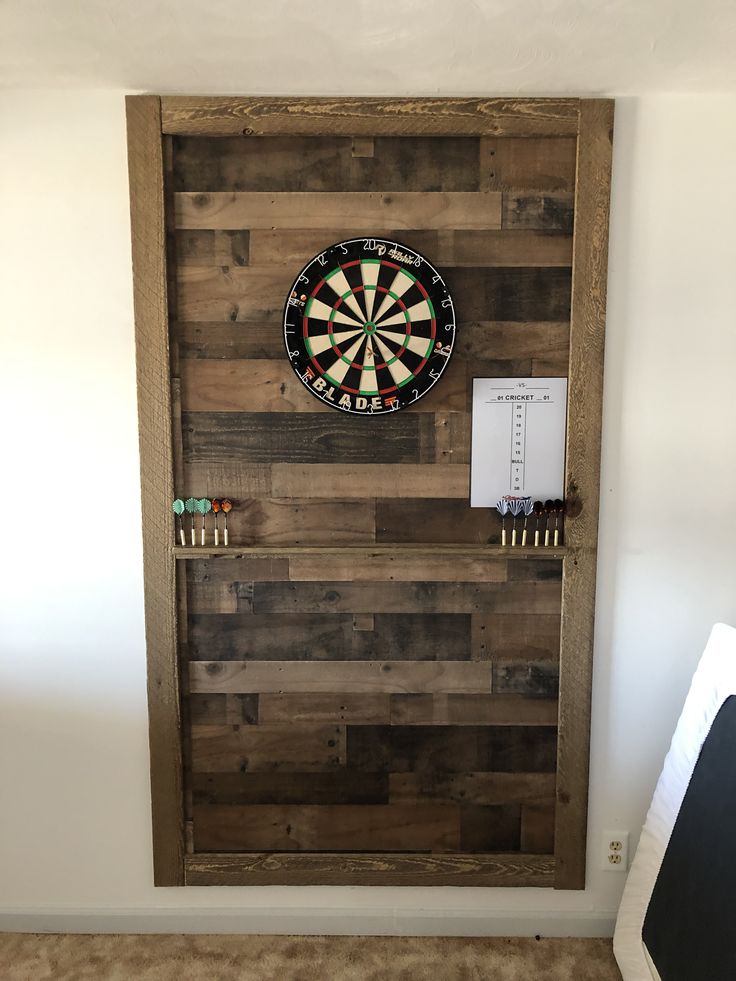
150, 120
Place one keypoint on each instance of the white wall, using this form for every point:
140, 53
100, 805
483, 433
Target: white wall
74, 811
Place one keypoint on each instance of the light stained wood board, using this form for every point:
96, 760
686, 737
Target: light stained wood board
272, 386
259, 748
294, 247
582, 484
339, 676
269, 868
268, 115
402, 209
150, 296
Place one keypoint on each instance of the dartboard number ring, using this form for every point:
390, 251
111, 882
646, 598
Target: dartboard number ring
369, 326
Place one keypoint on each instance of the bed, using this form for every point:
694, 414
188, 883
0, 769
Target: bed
677, 915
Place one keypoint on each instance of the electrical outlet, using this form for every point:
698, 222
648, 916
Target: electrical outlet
616, 850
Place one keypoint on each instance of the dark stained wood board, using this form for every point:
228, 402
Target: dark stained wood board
397, 715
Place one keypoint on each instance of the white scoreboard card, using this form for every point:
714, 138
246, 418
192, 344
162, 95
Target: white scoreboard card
518, 439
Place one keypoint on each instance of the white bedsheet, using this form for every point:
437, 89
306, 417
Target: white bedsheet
713, 682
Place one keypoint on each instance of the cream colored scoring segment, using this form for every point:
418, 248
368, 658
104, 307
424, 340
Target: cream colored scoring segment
318, 310
420, 311
340, 368
368, 377
398, 319
369, 271
392, 335
400, 285
399, 372
341, 286
325, 341
418, 345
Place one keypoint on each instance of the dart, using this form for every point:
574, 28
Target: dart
191, 507
549, 508
178, 508
538, 511
560, 508
502, 506
216, 511
527, 507
203, 506
516, 506
226, 507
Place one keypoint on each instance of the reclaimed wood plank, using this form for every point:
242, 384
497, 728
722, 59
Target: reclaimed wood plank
227, 479
148, 230
328, 787
232, 293
294, 247
472, 788
525, 246
481, 293
207, 247
452, 437
400, 568
452, 749
269, 868
297, 209
362, 480
435, 520
212, 597
495, 828
325, 164
345, 707
527, 164
245, 568
400, 597
221, 710
283, 828
543, 570
472, 710
582, 485
306, 437
540, 212
305, 637
259, 748
488, 340
260, 385
302, 521
339, 676
509, 637
273, 163
519, 293
244, 339
528, 678
245, 636
538, 827
355, 116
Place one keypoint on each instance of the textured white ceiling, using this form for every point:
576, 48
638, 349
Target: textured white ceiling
371, 46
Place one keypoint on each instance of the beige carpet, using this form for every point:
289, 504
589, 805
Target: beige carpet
37, 957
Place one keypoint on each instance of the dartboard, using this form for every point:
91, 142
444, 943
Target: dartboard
369, 326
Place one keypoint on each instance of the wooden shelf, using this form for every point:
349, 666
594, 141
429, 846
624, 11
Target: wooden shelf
272, 551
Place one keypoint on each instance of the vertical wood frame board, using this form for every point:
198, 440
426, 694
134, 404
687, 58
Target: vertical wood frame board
216, 185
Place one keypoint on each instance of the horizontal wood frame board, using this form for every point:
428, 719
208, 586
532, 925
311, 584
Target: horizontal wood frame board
365, 688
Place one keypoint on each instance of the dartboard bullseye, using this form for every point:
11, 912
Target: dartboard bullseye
369, 326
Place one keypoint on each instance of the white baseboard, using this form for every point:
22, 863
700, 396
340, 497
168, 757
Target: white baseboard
310, 922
